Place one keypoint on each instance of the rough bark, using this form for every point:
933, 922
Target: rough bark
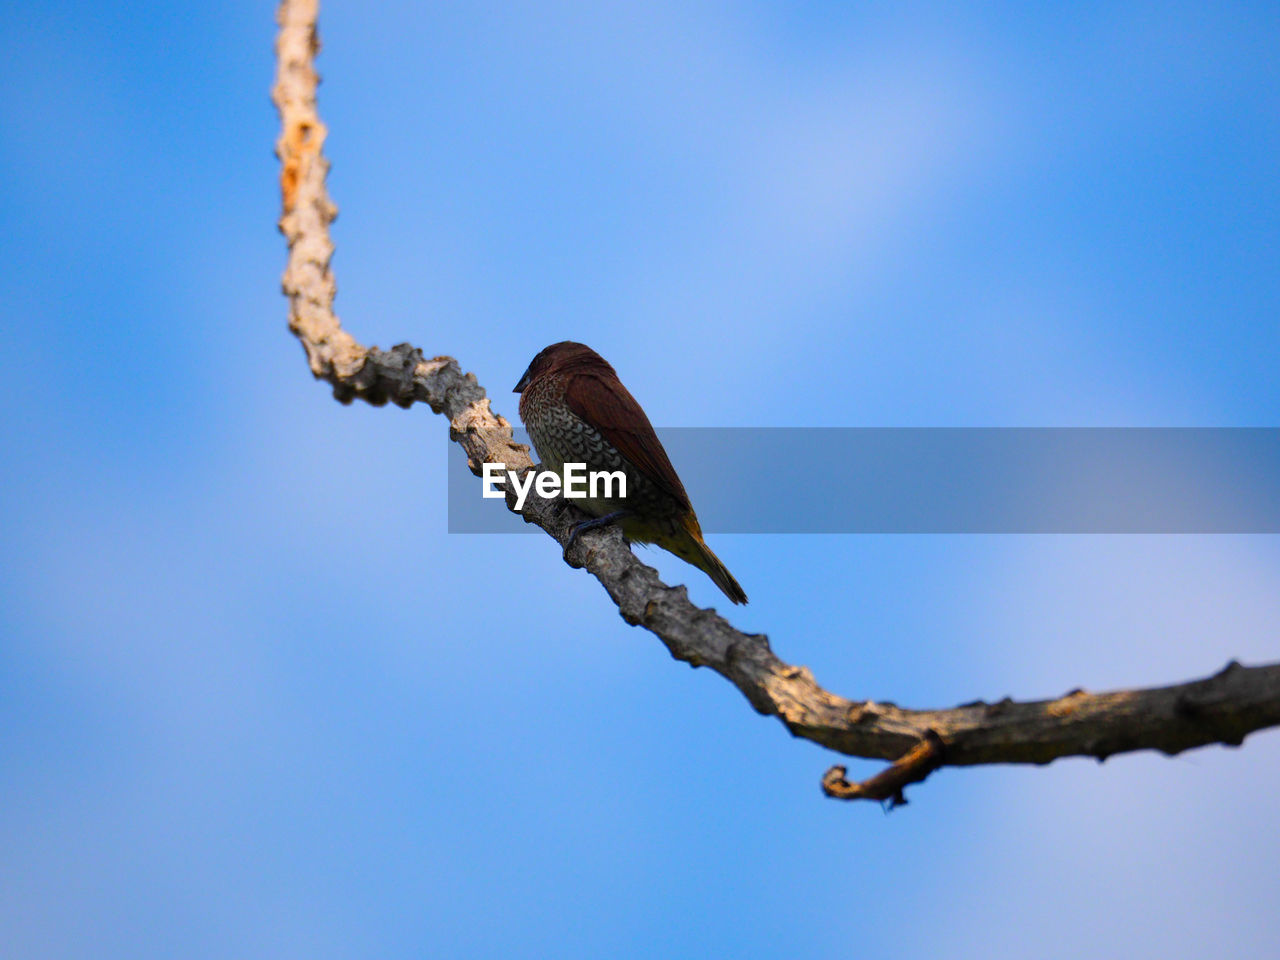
1222, 708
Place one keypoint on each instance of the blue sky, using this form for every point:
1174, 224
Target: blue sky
254, 702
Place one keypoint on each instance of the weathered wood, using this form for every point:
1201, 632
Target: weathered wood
1223, 708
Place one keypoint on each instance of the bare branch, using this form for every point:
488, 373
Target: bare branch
1219, 709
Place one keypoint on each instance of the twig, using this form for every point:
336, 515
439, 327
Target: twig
912, 767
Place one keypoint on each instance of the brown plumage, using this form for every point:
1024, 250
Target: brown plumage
577, 411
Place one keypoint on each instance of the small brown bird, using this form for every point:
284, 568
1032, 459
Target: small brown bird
577, 411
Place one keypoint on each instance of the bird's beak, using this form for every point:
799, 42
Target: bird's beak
524, 382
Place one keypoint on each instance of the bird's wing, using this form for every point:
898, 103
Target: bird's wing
609, 407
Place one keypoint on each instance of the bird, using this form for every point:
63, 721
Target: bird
577, 411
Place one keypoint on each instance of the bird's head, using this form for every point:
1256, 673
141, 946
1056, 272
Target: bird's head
563, 357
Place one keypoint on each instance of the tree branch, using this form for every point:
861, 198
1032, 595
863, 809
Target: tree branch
1219, 709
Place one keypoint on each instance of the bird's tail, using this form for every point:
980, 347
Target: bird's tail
689, 546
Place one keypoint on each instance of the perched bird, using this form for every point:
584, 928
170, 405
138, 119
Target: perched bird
577, 411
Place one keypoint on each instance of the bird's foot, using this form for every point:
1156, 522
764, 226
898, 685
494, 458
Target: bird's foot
592, 524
